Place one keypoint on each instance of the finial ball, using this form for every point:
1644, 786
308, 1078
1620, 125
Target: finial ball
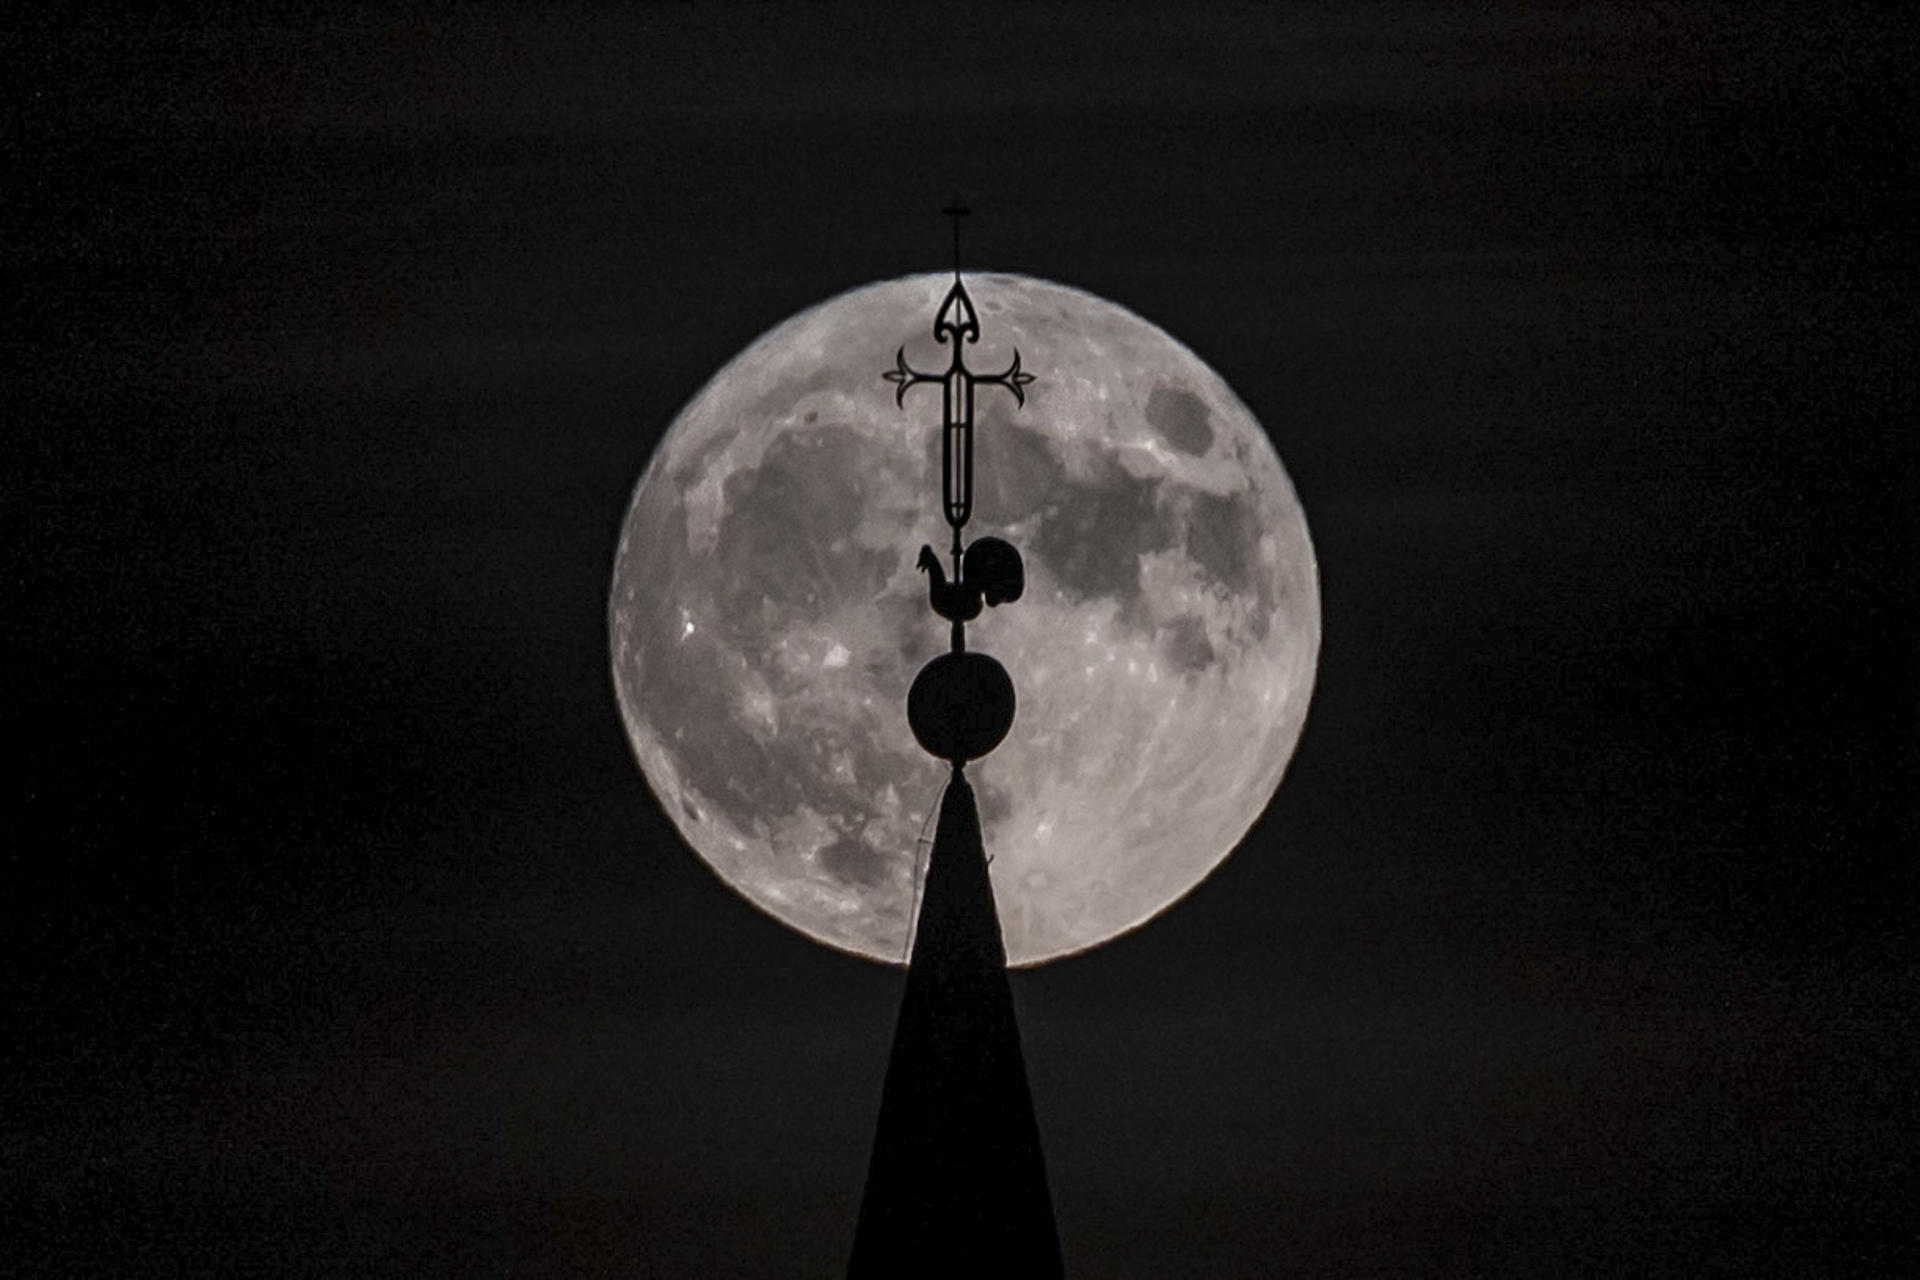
961, 705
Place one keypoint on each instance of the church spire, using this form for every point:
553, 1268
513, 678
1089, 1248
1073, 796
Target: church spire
957, 1185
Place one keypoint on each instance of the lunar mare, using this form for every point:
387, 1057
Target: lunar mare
766, 617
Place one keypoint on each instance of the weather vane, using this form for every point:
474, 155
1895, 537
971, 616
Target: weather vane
961, 704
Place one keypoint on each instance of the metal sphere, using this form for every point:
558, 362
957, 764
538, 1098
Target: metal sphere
961, 706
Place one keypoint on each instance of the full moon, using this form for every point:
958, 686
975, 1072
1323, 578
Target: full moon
767, 617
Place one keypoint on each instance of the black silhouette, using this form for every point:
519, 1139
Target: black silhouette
957, 1185
991, 571
957, 324
961, 706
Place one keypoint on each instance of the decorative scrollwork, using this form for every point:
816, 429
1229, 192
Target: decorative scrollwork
904, 375
1011, 378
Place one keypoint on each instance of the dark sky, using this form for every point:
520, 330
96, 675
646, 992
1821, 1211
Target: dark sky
343, 936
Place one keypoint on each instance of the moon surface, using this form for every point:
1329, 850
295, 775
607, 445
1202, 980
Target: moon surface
766, 617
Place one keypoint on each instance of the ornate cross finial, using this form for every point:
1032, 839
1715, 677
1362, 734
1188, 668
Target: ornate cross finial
956, 324
955, 320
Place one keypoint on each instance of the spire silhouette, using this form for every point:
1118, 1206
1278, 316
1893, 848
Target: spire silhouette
957, 1185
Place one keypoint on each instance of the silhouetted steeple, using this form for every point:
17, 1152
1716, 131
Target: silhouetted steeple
957, 1185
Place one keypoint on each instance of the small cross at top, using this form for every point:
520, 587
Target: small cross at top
956, 211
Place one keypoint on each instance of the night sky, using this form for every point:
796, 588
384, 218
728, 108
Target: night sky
343, 937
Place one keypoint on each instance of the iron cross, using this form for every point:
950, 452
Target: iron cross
957, 320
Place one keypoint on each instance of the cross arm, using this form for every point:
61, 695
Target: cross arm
1010, 377
904, 375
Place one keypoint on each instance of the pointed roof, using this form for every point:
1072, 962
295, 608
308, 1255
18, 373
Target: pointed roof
957, 1185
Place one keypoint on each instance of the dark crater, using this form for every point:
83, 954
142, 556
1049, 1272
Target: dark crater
784, 519
1223, 537
1093, 542
851, 861
1015, 470
1181, 417
730, 766
1185, 643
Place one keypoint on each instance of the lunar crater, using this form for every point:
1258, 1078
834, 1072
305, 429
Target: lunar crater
1181, 417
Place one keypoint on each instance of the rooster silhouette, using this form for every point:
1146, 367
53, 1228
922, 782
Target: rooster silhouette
990, 571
